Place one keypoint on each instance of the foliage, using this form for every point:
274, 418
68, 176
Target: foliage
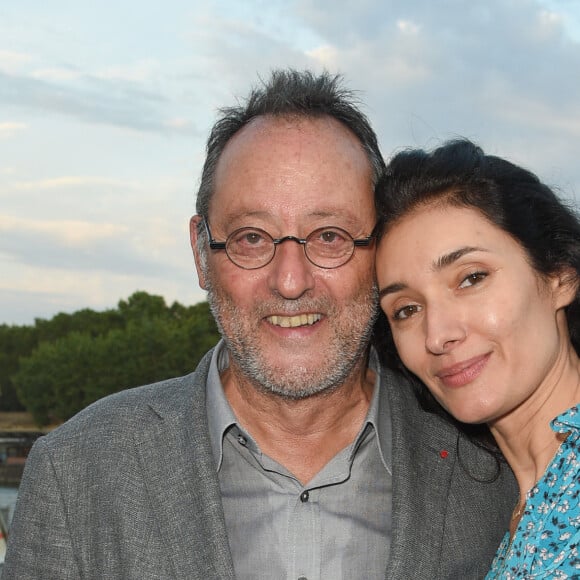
15, 341
72, 360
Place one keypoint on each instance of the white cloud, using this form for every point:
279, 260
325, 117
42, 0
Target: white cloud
9, 129
69, 181
140, 72
327, 56
540, 115
56, 74
408, 27
67, 231
11, 61
90, 99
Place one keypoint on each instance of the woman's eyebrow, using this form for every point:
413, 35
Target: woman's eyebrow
391, 289
438, 265
448, 259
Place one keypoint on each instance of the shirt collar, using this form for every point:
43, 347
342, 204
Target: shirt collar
219, 413
221, 416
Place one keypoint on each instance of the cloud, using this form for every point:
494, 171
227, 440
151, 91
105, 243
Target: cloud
70, 292
235, 49
11, 61
94, 100
68, 181
501, 73
15, 305
80, 246
142, 71
9, 129
56, 74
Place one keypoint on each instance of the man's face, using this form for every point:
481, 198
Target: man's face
292, 328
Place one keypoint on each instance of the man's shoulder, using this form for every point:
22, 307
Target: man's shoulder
402, 389
414, 416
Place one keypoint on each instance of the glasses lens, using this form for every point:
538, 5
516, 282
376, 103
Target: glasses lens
329, 247
250, 247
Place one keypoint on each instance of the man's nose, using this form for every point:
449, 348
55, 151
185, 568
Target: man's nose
290, 270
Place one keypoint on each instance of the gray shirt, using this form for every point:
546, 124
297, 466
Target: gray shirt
336, 526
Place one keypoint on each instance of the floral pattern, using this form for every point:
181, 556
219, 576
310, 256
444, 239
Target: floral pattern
547, 540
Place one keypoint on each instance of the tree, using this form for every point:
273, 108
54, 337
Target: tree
15, 342
60, 377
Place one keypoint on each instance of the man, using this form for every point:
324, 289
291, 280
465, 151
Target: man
288, 453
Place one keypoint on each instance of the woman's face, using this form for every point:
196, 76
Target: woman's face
469, 315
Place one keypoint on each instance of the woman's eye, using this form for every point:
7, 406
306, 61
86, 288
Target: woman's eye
405, 312
473, 279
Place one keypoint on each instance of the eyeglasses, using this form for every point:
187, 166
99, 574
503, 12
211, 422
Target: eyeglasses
253, 248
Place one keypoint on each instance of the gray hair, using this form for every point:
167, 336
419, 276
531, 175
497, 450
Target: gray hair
289, 92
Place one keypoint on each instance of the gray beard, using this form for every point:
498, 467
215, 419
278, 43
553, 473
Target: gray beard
339, 360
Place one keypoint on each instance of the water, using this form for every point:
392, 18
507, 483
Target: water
8, 499
7, 503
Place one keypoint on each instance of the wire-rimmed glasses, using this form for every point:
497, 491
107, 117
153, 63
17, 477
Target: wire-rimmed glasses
252, 248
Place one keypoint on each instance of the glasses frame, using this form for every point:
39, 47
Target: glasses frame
215, 245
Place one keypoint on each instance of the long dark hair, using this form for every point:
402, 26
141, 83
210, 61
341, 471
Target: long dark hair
460, 174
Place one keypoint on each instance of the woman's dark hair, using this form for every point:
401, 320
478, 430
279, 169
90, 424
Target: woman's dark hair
460, 174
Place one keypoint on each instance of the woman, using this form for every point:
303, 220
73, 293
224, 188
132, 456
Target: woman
478, 267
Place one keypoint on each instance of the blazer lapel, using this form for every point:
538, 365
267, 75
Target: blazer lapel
423, 459
182, 482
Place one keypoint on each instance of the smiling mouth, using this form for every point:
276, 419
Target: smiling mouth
463, 373
294, 321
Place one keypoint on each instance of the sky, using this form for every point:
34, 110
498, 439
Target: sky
105, 108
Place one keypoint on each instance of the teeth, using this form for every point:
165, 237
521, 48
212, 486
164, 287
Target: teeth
294, 321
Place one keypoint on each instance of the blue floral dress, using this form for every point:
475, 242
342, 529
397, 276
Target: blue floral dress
546, 542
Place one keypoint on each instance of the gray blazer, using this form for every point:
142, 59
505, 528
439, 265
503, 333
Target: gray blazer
128, 489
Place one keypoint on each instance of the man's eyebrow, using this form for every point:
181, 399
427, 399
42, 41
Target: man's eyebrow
440, 263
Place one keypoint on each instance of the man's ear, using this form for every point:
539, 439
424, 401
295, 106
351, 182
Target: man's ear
193, 237
565, 287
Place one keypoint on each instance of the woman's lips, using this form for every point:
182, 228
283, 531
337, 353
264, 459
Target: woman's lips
463, 373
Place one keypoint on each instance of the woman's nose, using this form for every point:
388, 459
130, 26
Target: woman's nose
445, 329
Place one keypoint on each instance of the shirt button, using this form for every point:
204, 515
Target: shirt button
242, 440
304, 498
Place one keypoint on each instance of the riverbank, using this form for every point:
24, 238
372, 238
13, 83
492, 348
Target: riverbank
14, 449
7, 503
18, 432
10, 475
21, 422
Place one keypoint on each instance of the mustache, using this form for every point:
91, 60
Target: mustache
292, 307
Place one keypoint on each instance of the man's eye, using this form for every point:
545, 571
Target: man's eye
248, 238
330, 237
253, 238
